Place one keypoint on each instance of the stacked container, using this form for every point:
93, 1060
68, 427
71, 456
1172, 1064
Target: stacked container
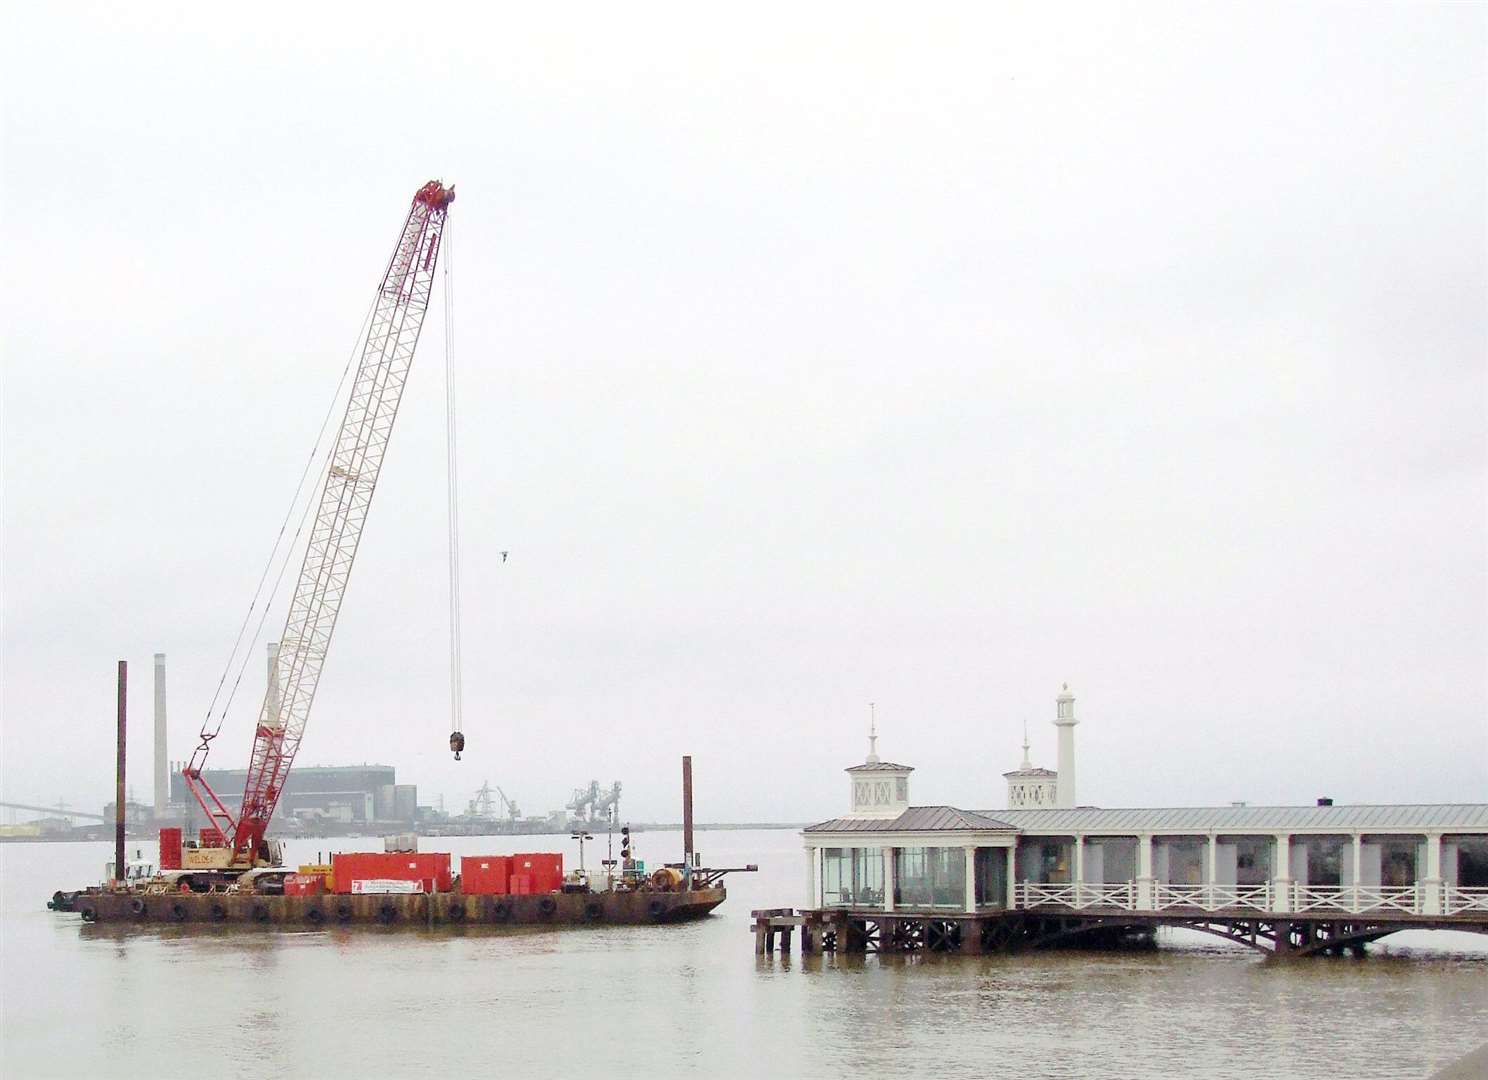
303, 885
432, 867
485, 875
170, 849
540, 872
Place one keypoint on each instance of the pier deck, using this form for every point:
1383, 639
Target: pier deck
864, 930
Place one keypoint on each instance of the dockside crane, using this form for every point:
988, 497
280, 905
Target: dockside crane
341, 514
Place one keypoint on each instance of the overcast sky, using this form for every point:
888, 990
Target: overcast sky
807, 358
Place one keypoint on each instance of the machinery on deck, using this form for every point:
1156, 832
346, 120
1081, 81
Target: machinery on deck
236, 842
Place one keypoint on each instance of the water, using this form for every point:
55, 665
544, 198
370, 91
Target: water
658, 1002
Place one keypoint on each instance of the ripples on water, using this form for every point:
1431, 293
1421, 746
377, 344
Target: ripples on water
660, 1002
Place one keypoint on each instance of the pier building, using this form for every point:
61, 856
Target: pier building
892, 875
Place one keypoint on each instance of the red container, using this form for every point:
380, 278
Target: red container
484, 875
304, 885
544, 868
170, 849
521, 884
431, 866
211, 836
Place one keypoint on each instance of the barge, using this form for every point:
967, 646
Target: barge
440, 909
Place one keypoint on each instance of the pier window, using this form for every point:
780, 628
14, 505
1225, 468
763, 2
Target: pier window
1179, 860
1398, 861
1110, 860
1046, 860
930, 877
991, 877
1252, 860
1472, 861
852, 877
1323, 860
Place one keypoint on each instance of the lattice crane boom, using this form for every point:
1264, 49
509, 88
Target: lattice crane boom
351, 479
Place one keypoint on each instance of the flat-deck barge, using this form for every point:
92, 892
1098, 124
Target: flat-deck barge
388, 909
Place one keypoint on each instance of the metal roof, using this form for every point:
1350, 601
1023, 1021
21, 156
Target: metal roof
879, 766
1031, 771
1466, 816
917, 819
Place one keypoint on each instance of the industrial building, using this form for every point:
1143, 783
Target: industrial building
337, 795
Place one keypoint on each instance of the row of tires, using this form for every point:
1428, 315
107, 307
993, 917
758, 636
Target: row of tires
344, 912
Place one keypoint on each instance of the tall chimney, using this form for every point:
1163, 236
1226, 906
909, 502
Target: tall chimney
162, 770
1064, 720
274, 682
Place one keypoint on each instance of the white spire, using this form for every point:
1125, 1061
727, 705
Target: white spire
1026, 763
872, 734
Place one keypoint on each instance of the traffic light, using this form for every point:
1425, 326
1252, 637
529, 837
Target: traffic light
625, 842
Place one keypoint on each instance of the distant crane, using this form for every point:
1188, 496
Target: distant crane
484, 806
356, 462
592, 803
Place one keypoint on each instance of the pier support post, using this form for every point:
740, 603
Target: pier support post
1145, 899
971, 904
1281, 894
1431, 884
890, 876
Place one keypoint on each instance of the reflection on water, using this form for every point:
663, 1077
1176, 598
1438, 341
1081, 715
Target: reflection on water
169, 1001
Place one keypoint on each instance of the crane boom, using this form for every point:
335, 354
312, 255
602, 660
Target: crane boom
356, 461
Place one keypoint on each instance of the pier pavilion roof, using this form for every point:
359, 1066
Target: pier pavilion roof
1471, 817
918, 819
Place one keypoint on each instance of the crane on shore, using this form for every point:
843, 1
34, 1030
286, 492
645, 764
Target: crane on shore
346, 496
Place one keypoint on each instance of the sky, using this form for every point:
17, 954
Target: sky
806, 358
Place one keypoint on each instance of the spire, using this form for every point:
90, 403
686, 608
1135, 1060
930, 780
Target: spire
1026, 763
872, 734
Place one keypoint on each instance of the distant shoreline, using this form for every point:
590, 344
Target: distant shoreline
640, 826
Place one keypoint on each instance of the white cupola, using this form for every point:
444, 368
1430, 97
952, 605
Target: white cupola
880, 789
1029, 787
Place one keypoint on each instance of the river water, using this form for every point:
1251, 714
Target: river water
658, 1002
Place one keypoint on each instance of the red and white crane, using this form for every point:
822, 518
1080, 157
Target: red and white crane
350, 480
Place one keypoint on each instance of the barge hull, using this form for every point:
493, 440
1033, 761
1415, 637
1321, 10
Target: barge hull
436, 909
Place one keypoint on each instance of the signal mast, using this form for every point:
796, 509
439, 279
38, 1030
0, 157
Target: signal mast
356, 461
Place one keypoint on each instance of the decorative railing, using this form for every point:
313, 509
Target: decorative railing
1257, 897
1356, 899
1034, 894
1457, 900
1404, 898
1166, 896
1351, 899
1116, 894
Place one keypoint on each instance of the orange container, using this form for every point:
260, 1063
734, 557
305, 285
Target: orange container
170, 849
304, 885
544, 869
432, 866
485, 875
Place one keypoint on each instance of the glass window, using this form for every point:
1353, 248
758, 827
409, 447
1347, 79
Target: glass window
852, 877
991, 877
930, 877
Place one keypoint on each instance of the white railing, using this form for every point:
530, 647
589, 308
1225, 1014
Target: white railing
1322, 898
1404, 898
1356, 899
1166, 896
1116, 894
1032, 894
1257, 897
1456, 900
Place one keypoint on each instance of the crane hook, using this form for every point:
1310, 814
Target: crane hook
457, 743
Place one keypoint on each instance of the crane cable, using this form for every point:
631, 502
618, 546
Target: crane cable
452, 476
208, 730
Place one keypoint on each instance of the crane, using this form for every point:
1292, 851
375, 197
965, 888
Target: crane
350, 480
